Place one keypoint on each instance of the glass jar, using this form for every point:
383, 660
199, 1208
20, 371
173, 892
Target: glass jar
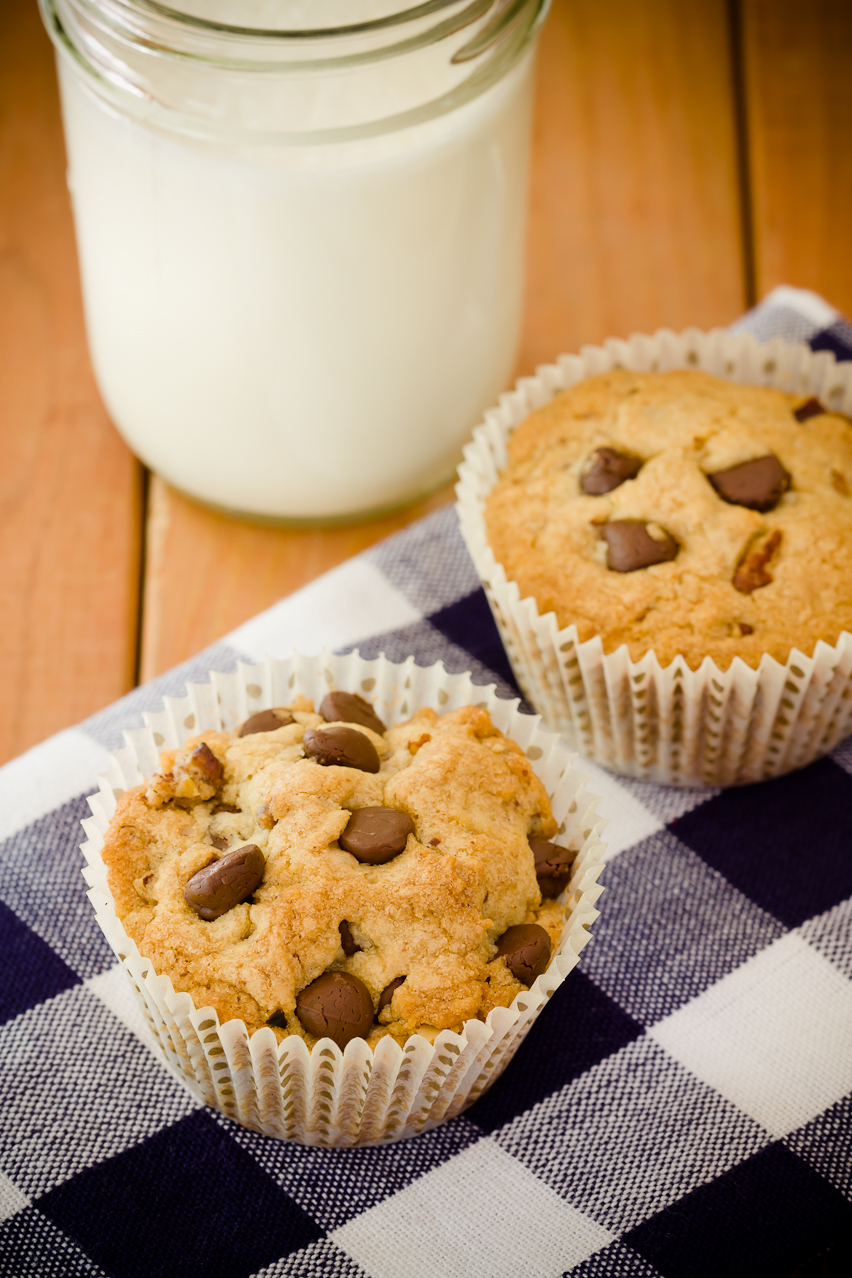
301, 235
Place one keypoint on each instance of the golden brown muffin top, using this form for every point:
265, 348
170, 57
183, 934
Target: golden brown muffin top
432, 913
751, 558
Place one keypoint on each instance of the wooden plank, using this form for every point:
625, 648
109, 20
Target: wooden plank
797, 61
207, 573
635, 223
69, 489
635, 217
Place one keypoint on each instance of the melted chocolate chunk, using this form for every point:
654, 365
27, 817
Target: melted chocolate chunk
526, 949
224, 807
606, 468
376, 835
337, 1006
752, 572
279, 1019
226, 882
348, 707
758, 484
347, 940
552, 866
631, 546
811, 408
343, 747
388, 993
265, 721
207, 764
219, 841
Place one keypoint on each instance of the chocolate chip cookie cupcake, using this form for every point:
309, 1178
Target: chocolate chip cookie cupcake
325, 875
667, 546
317, 873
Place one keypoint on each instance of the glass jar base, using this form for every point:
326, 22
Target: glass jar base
319, 522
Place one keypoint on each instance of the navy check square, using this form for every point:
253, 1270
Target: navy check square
683, 1108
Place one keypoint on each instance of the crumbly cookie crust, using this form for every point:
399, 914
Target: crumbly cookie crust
792, 563
432, 914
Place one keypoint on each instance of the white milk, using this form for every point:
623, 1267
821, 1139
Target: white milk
302, 332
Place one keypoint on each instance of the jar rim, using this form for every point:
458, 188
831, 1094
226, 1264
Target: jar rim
408, 14
114, 44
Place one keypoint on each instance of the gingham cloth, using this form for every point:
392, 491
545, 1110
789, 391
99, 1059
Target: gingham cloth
682, 1107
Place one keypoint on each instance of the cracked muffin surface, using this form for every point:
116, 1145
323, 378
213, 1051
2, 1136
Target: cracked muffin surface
681, 513
230, 870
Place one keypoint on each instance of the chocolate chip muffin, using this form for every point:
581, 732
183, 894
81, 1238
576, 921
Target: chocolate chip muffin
322, 874
681, 513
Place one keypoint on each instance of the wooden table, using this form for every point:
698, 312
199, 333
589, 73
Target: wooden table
688, 157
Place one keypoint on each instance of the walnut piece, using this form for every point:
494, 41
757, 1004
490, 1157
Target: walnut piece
752, 572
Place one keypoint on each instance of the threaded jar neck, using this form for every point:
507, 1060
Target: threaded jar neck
287, 72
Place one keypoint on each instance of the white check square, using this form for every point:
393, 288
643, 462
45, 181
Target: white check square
348, 604
774, 1036
631, 1136
831, 934
113, 989
628, 820
482, 1214
78, 1089
11, 1199
46, 776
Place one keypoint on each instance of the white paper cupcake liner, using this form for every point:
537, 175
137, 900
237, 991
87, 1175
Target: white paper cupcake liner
670, 724
323, 1096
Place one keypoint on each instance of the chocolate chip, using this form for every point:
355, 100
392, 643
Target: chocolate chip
811, 408
348, 707
219, 841
265, 721
347, 940
226, 882
206, 762
757, 484
337, 1006
279, 1019
840, 483
752, 572
388, 993
224, 807
745, 629
631, 546
376, 835
552, 866
606, 468
344, 747
526, 949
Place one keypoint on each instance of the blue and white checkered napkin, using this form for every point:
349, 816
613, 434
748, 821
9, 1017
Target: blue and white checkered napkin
695, 1115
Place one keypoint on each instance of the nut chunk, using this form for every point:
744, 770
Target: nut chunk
752, 572
194, 777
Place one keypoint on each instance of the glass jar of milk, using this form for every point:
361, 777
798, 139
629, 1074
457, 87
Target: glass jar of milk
301, 235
